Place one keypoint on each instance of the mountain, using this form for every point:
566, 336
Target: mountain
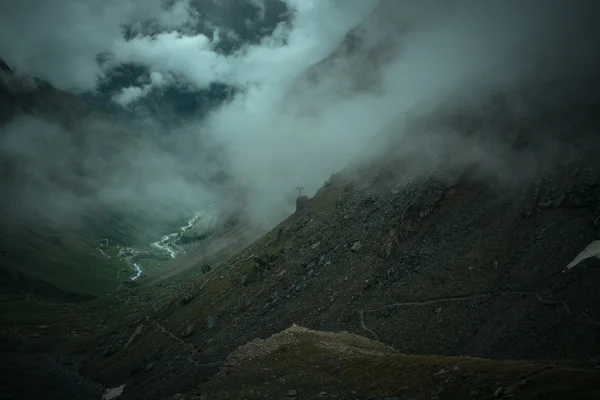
458, 264
68, 180
461, 261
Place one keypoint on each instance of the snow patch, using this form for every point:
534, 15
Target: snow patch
113, 393
593, 250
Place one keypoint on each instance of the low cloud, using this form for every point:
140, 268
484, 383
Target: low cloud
399, 84
410, 72
61, 41
131, 94
70, 176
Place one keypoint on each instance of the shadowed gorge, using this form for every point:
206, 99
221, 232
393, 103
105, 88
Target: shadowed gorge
298, 199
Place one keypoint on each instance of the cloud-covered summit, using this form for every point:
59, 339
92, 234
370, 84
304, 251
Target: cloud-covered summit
295, 105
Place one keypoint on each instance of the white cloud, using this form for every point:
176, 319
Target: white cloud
273, 62
282, 128
262, 8
434, 54
59, 41
189, 57
131, 94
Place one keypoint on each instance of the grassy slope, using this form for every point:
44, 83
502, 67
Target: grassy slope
60, 257
69, 261
66, 257
324, 365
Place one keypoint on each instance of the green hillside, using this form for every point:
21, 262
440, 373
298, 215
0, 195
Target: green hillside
68, 261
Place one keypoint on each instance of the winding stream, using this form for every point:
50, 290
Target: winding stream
138, 271
168, 243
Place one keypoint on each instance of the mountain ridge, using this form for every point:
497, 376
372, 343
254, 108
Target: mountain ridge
465, 299
454, 258
53, 240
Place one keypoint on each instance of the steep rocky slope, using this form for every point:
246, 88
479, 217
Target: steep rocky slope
459, 265
452, 262
444, 256
449, 262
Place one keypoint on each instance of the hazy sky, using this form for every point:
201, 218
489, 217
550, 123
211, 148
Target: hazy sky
282, 127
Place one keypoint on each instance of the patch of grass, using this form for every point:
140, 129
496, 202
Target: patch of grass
67, 261
311, 365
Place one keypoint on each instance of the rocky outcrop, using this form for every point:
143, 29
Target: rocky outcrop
303, 363
301, 202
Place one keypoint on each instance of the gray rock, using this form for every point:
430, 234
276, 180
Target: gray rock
135, 334
386, 249
292, 393
356, 246
581, 196
189, 331
384, 312
557, 202
545, 204
211, 321
498, 392
111, 349
594, 361
186, 299
596, 223
149, 367
264, 261
205, 268
246, 280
